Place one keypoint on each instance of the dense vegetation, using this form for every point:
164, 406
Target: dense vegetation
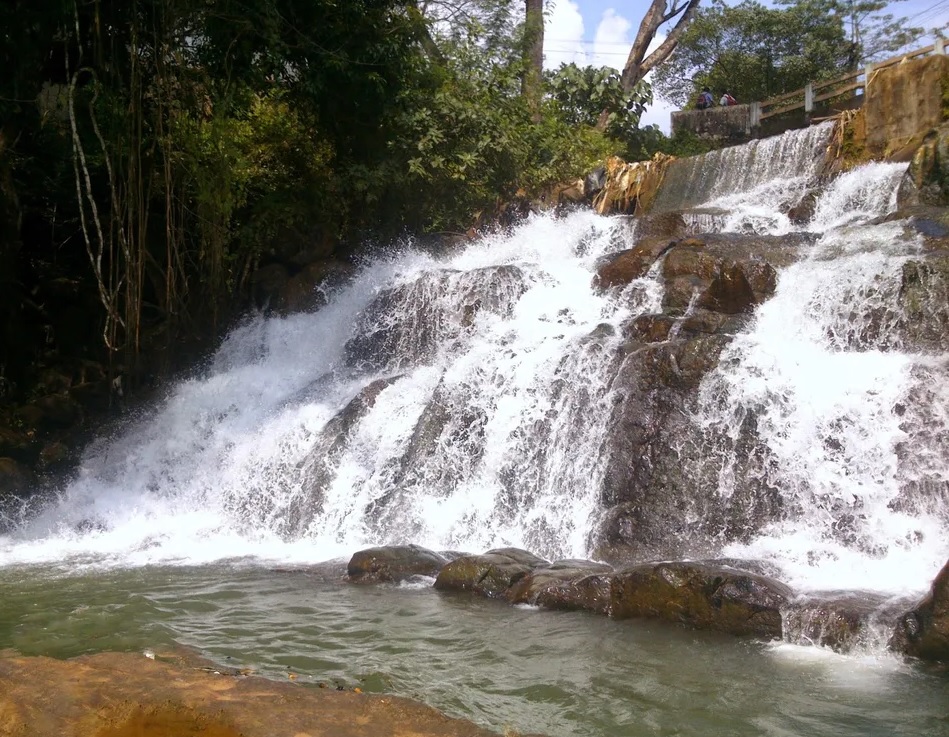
154, 154
757, 51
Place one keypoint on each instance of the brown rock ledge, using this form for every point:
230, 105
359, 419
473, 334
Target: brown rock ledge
127, 694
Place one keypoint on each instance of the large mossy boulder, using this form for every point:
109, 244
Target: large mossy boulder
565, 584
707, 596
924, 630
490, 574
393, 563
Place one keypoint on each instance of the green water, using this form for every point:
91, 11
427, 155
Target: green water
562, 674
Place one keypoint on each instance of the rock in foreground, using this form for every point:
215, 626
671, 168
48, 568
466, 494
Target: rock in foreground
924, 631
393, 563
125, 695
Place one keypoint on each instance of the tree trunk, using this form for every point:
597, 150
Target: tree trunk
531, 84
638, 65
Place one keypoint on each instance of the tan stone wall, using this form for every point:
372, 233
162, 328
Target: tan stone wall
904, 101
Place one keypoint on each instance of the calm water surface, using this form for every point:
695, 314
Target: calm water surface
562, 674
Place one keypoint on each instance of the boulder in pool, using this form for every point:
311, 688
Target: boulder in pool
707, 596
924, 630
490, 574
566, 585
393, 563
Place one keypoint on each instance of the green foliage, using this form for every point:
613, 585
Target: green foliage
469, 142
756, 52
582, 94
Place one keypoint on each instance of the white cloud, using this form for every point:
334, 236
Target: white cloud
563, 36
611, 42
564, 43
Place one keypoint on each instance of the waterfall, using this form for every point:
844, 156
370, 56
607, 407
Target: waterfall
470, 401
773, 173
456, 403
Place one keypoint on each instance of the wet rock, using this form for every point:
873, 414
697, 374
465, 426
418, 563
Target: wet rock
927, 179
405, 325
393, 563
567, 585
268, 283
17, 445
594, 181
712, 277
490, 574
57, 411
701, 595
924, 630
730, 291
924, 297
649, 328
15, 478
319, 467
619, 269
668, 225
839, 621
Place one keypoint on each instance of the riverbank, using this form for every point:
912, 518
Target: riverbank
125, 694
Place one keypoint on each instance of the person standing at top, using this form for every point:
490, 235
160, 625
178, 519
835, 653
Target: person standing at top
727, 100
705, 99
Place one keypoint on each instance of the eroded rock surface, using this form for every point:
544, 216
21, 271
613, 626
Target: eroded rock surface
128, 695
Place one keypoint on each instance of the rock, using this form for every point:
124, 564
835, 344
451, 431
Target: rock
393, 563
667, 225
924, 297
55, 455
730, 292
839, 621
168, 695
268, 283
701, 595
594, 181
405, 325
924, 630
319, 467
649, 328
567, 585
927, 179
17, 445
619, 269
713, 277
490, 574
15, 478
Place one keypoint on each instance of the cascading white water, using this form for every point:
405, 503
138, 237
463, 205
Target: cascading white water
497, 360
822, 373
463, 403
751, 186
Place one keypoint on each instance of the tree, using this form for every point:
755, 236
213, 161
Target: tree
533, 55
583, 94
873, 34
638, 64
754, 51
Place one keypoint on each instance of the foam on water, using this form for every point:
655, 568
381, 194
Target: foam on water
488, 416
223, 467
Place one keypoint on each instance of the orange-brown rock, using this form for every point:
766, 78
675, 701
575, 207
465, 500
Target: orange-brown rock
619, 269
128, 695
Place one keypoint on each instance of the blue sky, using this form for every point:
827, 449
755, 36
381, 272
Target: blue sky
600, 32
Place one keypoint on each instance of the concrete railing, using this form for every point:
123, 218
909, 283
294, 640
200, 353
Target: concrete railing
733, 122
